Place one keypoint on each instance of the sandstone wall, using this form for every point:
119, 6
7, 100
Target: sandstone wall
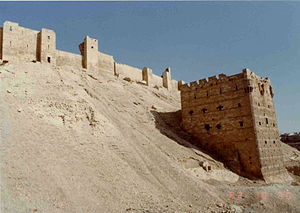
46, 46
157, 80
22, 44
133, 73
106, 62
268, 139
217, 111
234, 116
19, 43
174, 84
69, 59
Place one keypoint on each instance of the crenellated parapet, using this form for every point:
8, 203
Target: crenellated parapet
234, 117
22, 44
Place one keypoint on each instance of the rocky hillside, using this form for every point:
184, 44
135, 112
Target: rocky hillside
76, 141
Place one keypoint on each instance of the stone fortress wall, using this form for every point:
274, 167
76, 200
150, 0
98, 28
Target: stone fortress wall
234, 117
22, 44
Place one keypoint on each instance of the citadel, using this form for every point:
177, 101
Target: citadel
232, 117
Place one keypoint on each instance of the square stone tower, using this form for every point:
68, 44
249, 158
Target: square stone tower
89, 52
234, 118
46, 46
22, 44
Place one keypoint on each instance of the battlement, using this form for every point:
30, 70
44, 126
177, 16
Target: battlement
22, 44
246, 74
234, 117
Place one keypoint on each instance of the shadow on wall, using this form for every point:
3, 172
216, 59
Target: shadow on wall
169, 124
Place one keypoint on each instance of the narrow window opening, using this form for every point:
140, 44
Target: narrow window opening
207, 127
48, 47
220, 107
219, 126
262, 90
259, 123
49, 60
241, 123
267, 122
191, 112
48, 37
274, 125
236, 87
195, 97
27, 45
248, 89
258, 104
10, 43
273, 142
269, 106
92, 47
220, 90
239, 105
266, 142
204, 110
207, 93
10, 28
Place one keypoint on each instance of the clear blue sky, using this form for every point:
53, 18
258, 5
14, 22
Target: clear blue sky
196, 39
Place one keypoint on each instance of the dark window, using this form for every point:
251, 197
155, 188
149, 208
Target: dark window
274, 125
273, 142
219, 126
191, 112
204, 110
267, 122
92, 47
258, 104
259, 123
239, 105
10, 28
49, 60
236, 87
220, 90
248, 89
266, 142
10, 43
49, 37
241, 123
262, 89
207, 127
220, 107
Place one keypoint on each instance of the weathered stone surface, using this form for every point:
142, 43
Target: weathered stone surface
22, 44
234, 117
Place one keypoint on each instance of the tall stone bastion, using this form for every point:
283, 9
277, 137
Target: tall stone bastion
232, 117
